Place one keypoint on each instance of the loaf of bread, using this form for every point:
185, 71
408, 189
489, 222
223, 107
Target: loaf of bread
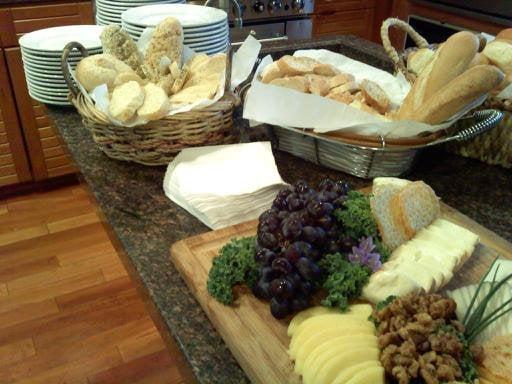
96, 70
418, 60
119, 44
499, 52
449, 61
126, 100
461, 91
167, 41
156, 103
341, 97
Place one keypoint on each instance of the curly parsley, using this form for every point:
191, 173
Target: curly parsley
234, 265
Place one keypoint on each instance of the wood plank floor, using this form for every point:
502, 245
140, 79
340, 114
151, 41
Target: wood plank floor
69, 312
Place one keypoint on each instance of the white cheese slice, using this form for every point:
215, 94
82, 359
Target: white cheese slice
384, 283
409, 266
447, 258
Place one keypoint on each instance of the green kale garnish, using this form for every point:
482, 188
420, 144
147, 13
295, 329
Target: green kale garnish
235, 264
467, 362
344, 280
357, 217
384, 303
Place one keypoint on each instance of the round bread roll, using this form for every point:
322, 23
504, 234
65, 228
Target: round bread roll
499, 52
96, 70
125, 101
505, 34
419, 59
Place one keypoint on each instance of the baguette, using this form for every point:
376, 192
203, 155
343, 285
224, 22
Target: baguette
479, 59
497, 364
450, 60
340, 79
458, 93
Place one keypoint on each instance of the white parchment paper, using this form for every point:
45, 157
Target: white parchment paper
281, 106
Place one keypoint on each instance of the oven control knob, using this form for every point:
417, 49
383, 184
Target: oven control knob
259, 7
274, 5
297, 4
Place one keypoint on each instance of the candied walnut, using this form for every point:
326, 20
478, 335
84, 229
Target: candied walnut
400, 373
424, 319
459, 327
413, 368
408, 348
429, 374
389, 338
478, 353
423, 347
444, 308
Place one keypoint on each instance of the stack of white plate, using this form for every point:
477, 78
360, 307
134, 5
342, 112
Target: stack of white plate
41, 52
109, 11
205, 29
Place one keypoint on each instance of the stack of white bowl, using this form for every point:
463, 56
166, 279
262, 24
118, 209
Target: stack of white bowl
205, 29
41, 52
109, 11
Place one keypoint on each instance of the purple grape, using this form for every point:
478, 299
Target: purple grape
327, 208
291, 229
281, 288
305, 249
292, 254
307, 269
262, 290
332, 247
282, 215
304, 218
306, 288
315, 208
265, 256
279, 203
294, 202
267, 274
326, 185
283, 193
281, 265
346, 243
340, 201
279, 309
343, 186
325, 222
295, 279
301, 187
267, 240
310, 234
321, 234
299, 303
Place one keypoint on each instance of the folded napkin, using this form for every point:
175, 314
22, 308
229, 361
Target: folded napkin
226, 184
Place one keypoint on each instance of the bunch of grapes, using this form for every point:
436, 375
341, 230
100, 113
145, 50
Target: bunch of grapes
292, 237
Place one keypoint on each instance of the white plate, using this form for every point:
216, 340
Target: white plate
48, 100
56, 55
123, 5
189, 15
41, 70
213, 45
192, 33
47, 60
203, 40
45, 68
55, 39
48, 93
53, 82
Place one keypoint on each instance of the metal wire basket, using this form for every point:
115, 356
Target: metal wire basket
367, 159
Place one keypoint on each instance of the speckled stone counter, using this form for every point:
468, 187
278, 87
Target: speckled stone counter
146, 223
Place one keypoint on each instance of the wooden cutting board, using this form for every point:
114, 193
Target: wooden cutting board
257, 340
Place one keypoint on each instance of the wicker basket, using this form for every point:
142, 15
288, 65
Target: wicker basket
157, 142
492, 147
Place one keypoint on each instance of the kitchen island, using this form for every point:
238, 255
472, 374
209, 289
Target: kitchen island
144, 223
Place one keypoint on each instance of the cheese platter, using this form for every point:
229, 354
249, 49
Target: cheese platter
344, 336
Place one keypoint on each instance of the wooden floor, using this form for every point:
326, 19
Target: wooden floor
69, 313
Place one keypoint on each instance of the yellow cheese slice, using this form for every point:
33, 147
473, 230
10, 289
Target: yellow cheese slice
300, 317
373, 375
348, 373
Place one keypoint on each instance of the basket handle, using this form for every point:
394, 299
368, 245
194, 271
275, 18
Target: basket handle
65, 68
388, 47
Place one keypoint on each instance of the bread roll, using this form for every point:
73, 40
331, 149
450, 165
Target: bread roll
418, 60
458, 93
167, 41
192, 94
298, 83
318, 85
96, 70
375, 96
293, 66
119, 44
450, 60
156, 103
125, 77
125, 101
196, 60
505, 34
500, 54
270, 73
214, 64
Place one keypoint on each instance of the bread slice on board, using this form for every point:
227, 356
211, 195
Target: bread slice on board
383, 192
466, 88
414, 207
451, 59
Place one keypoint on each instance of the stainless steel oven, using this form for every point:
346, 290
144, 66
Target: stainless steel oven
270, 19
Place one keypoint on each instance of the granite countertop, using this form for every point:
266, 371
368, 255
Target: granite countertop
146, 223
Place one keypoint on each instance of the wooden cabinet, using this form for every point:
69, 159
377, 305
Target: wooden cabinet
14, 166
355, 17
38, 152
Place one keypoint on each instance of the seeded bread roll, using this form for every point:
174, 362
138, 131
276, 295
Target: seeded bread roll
125, 101
156, 103
167, 41
96, 70
450, 60
119, 44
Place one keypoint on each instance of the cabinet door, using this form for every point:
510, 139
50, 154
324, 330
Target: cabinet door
329, 6
14, 167
48, 156
357, 22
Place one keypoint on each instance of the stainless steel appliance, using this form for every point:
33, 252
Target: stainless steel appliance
270, 19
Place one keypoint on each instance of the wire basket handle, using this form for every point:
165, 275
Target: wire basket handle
395, 57
65, 67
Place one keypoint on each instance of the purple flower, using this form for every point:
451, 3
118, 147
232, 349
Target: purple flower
363, 254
